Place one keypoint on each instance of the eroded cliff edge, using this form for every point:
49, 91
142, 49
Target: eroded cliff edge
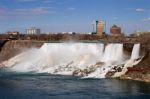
12, 48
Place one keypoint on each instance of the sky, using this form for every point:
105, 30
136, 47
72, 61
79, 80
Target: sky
74, 15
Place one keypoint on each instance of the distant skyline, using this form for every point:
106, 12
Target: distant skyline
73, 15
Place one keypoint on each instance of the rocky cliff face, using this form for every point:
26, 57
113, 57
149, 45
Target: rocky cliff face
2, 43
141, 71
12, 48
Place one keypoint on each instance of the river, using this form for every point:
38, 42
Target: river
46, 86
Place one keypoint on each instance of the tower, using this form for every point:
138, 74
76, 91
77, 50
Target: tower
99, 28
93, 27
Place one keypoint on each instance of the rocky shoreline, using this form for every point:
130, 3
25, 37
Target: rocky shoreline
139, 72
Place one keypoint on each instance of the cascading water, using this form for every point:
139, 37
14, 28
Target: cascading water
132, 61
112, 56
113, 53
135, 52
86, 59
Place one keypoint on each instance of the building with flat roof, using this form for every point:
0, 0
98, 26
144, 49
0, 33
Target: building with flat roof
13, 33
33, 30
99, 28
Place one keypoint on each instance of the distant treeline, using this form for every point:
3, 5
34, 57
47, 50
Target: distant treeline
143, 37
50, 37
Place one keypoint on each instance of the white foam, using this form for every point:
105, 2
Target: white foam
65, 58
134, 60
135, 52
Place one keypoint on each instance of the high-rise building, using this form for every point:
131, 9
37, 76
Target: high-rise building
99, 28
115, 30
33, 30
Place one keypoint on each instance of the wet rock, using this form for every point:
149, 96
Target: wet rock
110, 74
99, 63
114, 70
88, 70
137, 76
141, 71
79, 72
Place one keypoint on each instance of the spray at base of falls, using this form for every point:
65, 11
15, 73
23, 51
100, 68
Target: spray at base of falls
81, 59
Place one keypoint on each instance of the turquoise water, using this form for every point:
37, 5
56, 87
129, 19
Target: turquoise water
46, 86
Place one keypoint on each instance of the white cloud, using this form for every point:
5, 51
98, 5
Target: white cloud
71, 8
25, 12
37, 10
140, 10
25, 0
147, 19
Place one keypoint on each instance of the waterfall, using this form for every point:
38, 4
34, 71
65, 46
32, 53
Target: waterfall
86, 59
135, 52
52, 56
113, 52
112, 56
135, 55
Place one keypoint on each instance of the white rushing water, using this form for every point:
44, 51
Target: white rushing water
91, 59
135, 52
132, 61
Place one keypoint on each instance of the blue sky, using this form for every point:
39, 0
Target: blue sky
74, 15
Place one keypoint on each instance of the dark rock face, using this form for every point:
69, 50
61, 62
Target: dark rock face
140, 72
2, 43
114, 70
88, 70
12, 48
128, 46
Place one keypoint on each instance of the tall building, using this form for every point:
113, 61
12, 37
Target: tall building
115, 30
33, 30
99, 28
